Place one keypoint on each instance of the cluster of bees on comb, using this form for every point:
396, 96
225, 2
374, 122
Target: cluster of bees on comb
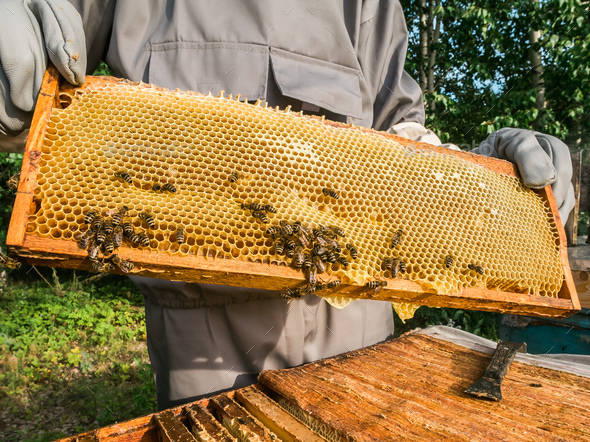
105, 235
311, 250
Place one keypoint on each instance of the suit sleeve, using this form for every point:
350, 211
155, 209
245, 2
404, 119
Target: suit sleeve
382, 51
97, 17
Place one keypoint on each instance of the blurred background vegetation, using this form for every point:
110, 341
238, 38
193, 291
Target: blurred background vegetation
72, 345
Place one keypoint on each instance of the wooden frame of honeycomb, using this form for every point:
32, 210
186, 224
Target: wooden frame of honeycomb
506, 255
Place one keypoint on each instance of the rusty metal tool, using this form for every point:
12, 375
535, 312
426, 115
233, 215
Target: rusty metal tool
489, 385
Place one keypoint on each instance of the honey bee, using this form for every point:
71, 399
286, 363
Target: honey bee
319, 264
123, 175
286, 228
291, 294
338, 231
169, 187
289, 253
272, 230
118, 217
8, 262
144, 240
98, 267
289, 244
303, 240
476, 268
377, 285
90, 216
128, 229
148, 218
12, 183
335, 245
343, 261
332, 284
352, 250
402, 266
100, 236
102, 267
108, 227
180, 235
109, 245
97, 223
296, 227
449, 261
134, 238
307, 261
234, 176
310, 289
124, 266
397, 238
331, 256
321, 241
330, 192
118, 236
395, 267
253, 207
387, 264
85, 238
261, 216
318, 249
93, 252
156, 187
299, 257
312, 275
279, 246
269, 208
319, 232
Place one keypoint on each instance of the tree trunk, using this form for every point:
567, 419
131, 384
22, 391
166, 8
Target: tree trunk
423, 45
433, 35
537, 71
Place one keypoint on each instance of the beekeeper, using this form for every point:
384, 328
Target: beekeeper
340, 59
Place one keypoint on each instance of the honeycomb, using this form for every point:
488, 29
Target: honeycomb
219, 153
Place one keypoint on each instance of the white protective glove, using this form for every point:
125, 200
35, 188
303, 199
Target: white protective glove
541, 159
416, 132
30, 30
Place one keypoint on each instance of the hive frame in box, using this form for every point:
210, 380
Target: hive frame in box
233, 272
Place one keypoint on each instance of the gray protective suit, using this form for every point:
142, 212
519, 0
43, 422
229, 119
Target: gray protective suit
343, 59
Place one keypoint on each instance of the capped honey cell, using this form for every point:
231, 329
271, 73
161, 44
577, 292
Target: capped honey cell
198, 162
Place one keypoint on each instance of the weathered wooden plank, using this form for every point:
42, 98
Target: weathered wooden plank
171, 429
238, 422
204, 425
264, 276
32, 158
412, 388
275, 418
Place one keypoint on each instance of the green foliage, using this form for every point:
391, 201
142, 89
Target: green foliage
479, 323
83, 353
102, 69
483, 76
10, 164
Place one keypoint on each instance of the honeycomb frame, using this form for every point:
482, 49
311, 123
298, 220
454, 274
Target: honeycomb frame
257, 273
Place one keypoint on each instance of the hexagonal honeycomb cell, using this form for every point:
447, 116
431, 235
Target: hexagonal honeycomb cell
452, 223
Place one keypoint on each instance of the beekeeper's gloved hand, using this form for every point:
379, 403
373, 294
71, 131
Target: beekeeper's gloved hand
30, 30
541, 159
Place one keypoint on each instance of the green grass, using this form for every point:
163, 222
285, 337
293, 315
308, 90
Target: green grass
72, 357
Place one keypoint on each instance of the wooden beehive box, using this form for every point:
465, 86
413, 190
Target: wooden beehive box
209, 259
410, 388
